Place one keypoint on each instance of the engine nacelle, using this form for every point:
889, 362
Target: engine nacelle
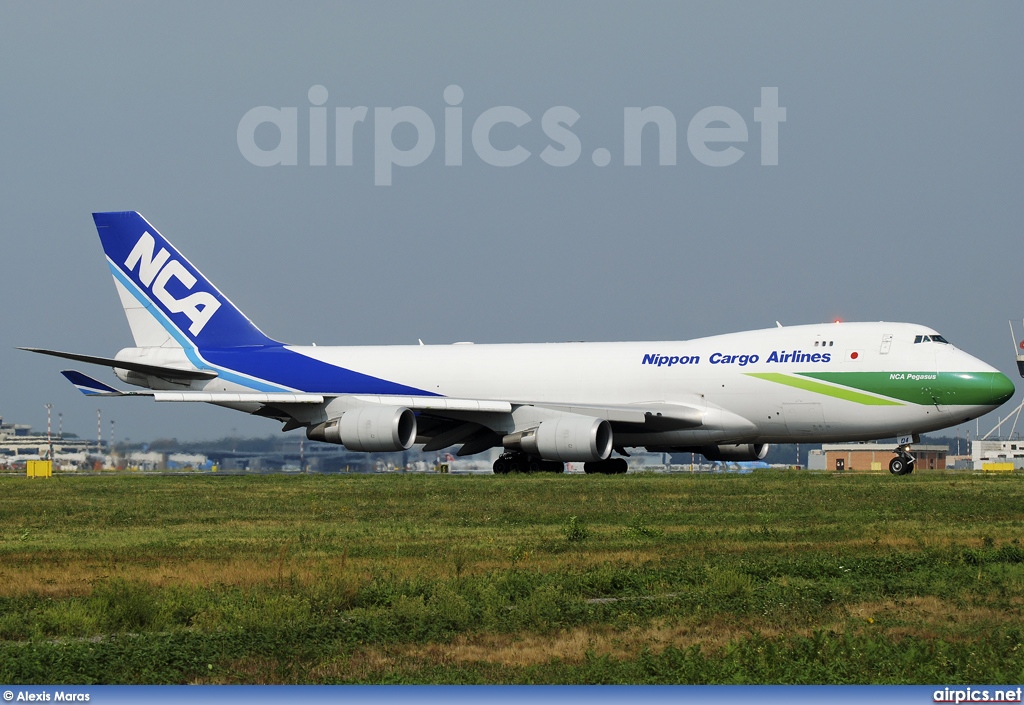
370, 429
572, 438
737, 451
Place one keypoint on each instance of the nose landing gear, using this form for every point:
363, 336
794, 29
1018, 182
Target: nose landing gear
903, 463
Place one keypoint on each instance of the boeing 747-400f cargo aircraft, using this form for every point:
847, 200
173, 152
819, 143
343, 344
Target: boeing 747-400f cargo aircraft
726, 397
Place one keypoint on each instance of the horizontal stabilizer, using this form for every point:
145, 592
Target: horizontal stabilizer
155, 370
89, 386
93, 387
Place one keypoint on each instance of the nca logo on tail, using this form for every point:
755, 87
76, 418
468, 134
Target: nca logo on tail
155, 272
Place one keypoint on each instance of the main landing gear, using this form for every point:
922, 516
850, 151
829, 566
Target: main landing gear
516, 461
611, 466
903, 463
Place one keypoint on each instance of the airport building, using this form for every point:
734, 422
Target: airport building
994, 456
19, 444
873, 457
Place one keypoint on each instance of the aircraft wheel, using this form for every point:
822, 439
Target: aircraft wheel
552, 466
536, 465
898, 466
609, 466
500, 467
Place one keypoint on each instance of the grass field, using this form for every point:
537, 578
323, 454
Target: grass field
775, 577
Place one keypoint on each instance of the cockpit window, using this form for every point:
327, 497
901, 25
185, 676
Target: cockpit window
930, 339
939, 339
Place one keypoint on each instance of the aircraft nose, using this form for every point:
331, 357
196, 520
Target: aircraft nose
1001, 389
984, 389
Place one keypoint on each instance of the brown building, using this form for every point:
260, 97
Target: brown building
873, 457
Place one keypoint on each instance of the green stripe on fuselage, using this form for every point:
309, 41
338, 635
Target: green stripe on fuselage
926, 388
819, 388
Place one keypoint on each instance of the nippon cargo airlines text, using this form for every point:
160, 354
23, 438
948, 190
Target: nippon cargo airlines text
718, 358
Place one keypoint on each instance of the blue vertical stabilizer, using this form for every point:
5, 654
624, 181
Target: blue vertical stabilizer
172, 292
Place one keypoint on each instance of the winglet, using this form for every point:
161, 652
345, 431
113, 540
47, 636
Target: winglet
88, 386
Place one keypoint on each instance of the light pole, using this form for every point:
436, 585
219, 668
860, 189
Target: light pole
49, 437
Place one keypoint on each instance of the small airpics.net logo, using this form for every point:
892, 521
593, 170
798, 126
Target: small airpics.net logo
715, 135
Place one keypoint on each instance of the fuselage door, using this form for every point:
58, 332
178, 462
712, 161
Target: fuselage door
804, 418
943, 360
886, 344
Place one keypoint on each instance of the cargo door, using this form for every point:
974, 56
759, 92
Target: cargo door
804, 418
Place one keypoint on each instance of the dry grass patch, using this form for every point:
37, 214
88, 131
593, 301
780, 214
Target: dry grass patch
922, 617
77, 578
572, 645
929, 617
362, 665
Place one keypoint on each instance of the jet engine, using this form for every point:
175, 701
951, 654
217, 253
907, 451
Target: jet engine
369, 429
736, 451
573, 438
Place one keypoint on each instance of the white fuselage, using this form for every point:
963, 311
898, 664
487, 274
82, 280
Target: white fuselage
743, 383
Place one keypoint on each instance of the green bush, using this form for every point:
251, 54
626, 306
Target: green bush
72, 617
639, 528
575, 530
125, 606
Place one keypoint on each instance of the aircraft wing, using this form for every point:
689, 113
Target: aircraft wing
669, 415
435, 403
661, 414
445, 421
677, 415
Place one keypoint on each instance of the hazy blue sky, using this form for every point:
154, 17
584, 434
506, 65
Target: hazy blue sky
898, 193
